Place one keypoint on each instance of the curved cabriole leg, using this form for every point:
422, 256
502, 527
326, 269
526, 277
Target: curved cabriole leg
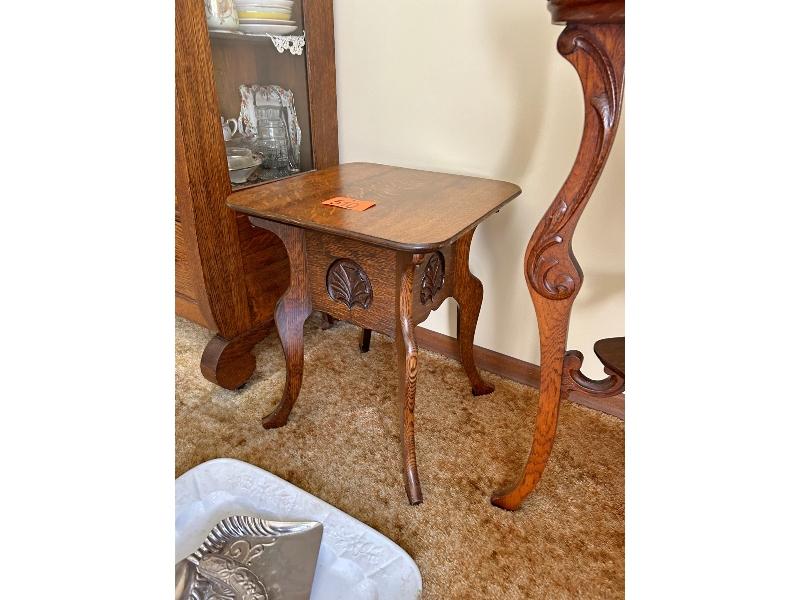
468, 292
230, 363
406, 350
291, 312
553, 320
552, 274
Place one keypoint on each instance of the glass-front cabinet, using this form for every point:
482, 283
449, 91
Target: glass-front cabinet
255, 101
258, 52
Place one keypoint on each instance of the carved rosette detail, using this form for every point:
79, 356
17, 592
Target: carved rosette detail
433, 278
550, 267
348, 283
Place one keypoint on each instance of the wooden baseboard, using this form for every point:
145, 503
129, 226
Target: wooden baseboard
512, 368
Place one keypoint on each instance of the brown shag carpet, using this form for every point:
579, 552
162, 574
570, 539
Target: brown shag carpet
342, 444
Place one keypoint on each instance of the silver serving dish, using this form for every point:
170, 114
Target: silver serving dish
247, 558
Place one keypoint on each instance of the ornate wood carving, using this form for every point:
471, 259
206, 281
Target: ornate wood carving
348, 283
550, 264
574, 379
433, 278
552, 273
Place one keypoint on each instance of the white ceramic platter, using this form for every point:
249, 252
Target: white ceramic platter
270, 28
355, 561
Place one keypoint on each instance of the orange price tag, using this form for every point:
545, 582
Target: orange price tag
349, 203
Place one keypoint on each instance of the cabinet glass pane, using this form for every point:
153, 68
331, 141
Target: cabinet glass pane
262, 93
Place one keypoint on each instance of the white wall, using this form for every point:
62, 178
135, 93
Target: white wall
478, 88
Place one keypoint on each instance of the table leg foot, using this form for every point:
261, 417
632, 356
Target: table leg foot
553, 318
468, 292
366, 338
230, 363
406, 351
289, 321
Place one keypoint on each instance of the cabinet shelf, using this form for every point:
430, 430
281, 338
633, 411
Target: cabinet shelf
261, 177
293, 43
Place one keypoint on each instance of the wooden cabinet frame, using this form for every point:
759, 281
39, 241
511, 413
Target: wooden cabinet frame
228, 274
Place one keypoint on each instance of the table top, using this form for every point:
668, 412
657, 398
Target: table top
611, 352
416, 211
587, 11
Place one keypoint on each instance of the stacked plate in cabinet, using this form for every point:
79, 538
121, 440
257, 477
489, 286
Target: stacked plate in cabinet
266, 16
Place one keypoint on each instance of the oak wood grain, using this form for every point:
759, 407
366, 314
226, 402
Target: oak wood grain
188, 309
215, 225
183, 272
552, 273
406, 352
378, 264
415, 211
587, 11
293, 308
369, 277
423, 308
573, 379
238, 273
230, 363
468, 292
191, 300
514, 369
266, 268
321, 74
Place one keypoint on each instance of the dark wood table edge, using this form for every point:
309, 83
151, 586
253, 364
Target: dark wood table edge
611, 352
423, 247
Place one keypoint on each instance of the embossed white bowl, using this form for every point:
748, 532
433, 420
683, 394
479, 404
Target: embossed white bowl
241, 167
355, 561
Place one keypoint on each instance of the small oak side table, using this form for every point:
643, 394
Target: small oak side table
384, 269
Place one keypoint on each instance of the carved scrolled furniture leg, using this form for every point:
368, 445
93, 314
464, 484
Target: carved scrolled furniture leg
230, 363
552, 273
291, 312
468, 292
574, 379
406, 351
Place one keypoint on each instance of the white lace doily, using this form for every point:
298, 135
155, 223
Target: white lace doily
292, 43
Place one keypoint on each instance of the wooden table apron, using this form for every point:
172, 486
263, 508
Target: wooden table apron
379, 288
